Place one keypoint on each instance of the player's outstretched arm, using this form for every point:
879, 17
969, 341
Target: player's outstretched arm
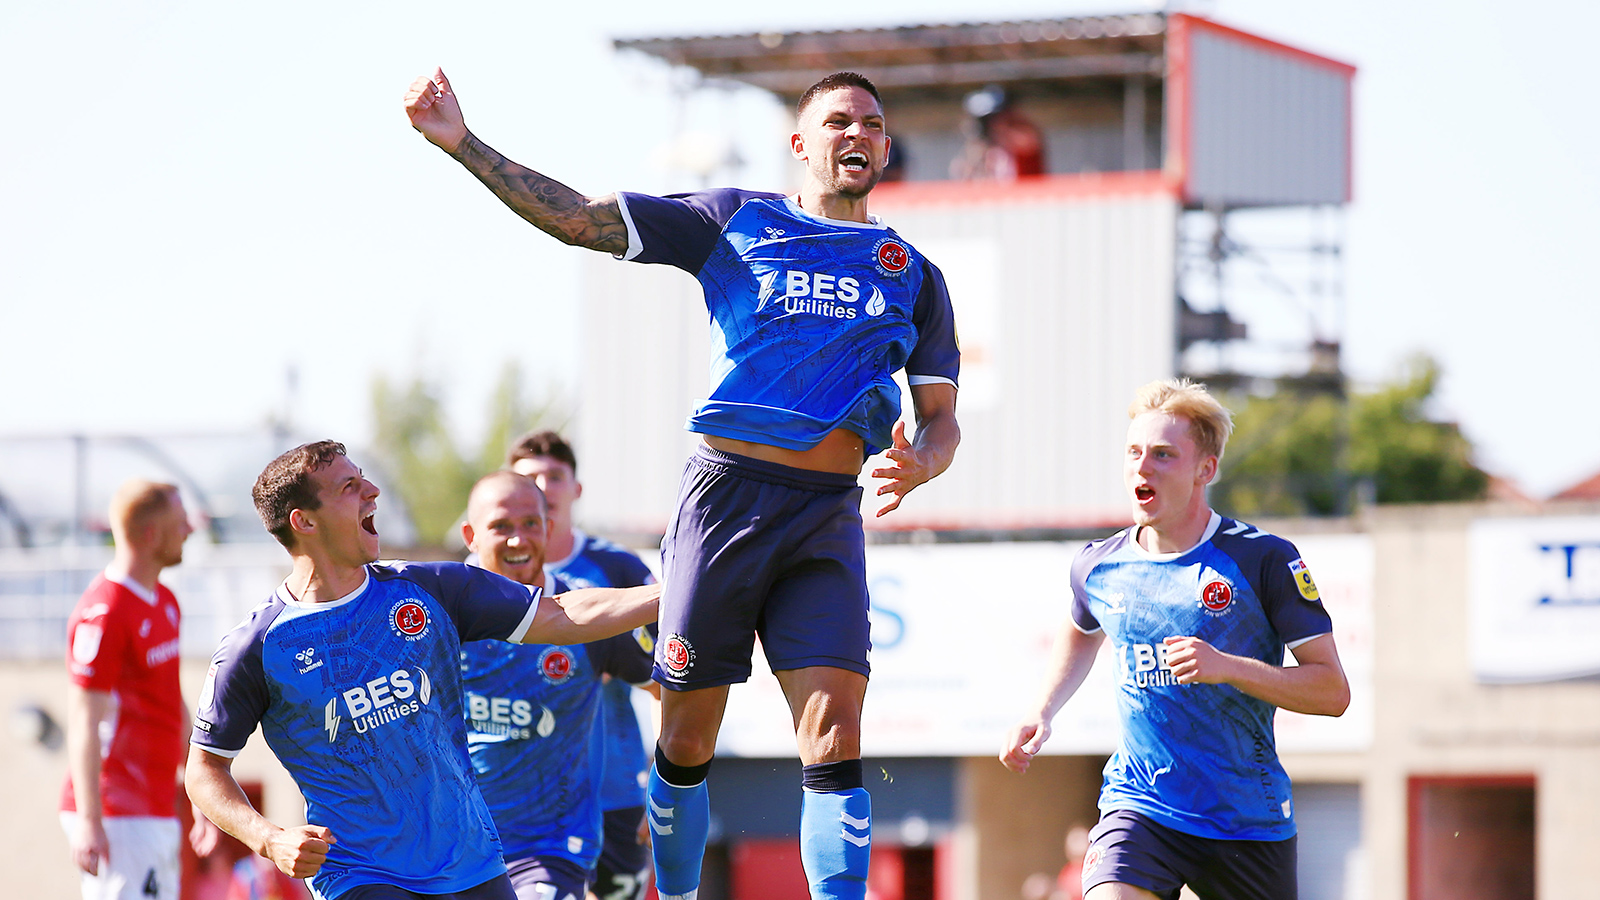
590, 614
1316, 687
552, 207
1071, 658
920, 461
297, 852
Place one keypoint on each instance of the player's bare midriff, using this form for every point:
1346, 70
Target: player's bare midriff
842, 451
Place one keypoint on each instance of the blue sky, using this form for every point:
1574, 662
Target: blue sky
196, 196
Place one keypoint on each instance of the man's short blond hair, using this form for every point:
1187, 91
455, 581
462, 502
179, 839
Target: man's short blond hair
1210, 423
135, 503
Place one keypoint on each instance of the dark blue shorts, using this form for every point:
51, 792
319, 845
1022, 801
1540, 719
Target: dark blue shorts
498, 888
534, 877
622, 870
1130, 848
761, 549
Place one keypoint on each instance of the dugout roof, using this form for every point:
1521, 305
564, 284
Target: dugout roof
924, 58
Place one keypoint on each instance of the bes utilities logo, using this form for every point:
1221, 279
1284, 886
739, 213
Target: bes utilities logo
409, 619
826, 294
378, 702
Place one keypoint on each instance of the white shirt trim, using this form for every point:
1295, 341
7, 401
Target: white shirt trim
872, 220
635, 244
521, 631
217, 751
289, 600
1211, 529
1293, 644
138, 590
915, 380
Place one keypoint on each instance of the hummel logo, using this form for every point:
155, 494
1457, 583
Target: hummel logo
1114, 602
773, 232
658, 812
862, 825
307, 660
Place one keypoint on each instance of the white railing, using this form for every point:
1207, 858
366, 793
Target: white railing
216, 585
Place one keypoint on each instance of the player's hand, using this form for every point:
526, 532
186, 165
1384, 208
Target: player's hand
434, 111
89, 846
1194, 661
908, 471
1024, 743
204, 836
300, 851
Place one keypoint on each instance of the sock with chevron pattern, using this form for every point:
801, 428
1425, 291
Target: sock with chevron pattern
678, 808
835, 830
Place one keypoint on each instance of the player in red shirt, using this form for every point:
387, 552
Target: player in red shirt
126, 723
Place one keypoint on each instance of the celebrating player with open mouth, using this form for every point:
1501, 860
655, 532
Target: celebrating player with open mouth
1199, 609
814, 306
353, 672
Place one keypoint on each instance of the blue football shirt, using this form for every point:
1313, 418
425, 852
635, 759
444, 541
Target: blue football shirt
1198, 758
597, 562
810, 317
360, 698
530, 716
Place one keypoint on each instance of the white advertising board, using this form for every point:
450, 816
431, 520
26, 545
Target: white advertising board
1535, 598
961, 638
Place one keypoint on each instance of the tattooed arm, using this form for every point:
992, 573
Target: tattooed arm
552, 207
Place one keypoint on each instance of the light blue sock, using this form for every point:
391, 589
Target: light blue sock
680, 819
836, 842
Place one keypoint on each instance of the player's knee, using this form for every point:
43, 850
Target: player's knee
835, 741
686, 750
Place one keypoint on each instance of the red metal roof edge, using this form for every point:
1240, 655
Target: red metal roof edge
1202, 22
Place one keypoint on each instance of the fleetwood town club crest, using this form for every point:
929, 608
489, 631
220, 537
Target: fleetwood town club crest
677, 654
1216, 595
891, 256
409, 619
555, 664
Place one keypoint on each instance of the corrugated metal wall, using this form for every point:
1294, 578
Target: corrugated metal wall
1064, 308
1265, 126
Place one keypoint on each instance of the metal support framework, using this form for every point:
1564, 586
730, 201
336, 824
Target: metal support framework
1221, 273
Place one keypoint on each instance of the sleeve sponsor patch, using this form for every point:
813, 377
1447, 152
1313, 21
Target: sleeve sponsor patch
646, 642
86, 642
1302, 580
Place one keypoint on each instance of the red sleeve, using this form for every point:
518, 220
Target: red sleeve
97, 643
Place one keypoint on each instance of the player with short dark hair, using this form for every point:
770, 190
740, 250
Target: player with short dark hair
533, 710
352, 671
621, 871
814, 306
1199, 609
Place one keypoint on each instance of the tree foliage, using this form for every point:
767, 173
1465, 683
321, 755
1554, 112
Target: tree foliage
1299, 454
431, 471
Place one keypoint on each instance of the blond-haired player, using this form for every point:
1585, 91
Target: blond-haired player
1198, 609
